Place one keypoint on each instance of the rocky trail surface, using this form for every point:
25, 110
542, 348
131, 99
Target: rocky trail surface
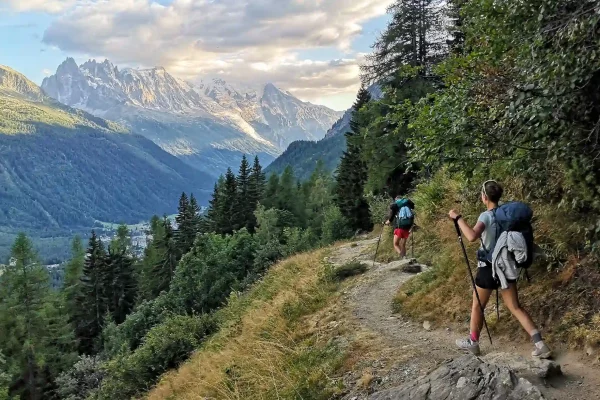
417, 360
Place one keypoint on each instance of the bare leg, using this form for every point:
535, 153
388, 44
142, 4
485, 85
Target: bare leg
476, 314
402, 247
397, 244
510, 297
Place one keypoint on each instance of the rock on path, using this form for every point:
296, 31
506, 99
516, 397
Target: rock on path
467, 377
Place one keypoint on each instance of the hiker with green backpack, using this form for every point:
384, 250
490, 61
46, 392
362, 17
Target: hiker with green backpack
402, 212
506, 239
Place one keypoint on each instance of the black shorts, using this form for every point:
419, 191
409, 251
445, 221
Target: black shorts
485, 279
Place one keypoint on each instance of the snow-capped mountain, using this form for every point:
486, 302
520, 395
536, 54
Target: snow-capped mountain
209, 124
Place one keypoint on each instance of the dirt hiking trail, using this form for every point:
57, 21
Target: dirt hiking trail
411, 349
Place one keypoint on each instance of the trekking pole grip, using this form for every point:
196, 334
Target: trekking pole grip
458, 232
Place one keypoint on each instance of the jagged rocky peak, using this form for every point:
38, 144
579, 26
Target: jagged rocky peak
69, 66
272, 90
211, 113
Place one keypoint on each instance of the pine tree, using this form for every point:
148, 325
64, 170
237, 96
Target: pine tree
414, 37
164, 269
186, 225
27, 311
229, 205
73, 273
319, 195
245, 209
196, 218
455, 29
256, 189
122, 243
288, 197
270, 198
352, 173
153, 253
118, 283
91, 303
214, 218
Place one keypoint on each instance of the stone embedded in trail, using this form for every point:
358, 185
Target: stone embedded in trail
427, 325
409, 266
523, 365
467, 377
412, 268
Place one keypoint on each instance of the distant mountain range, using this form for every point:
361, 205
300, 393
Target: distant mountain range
302, 156
63, 169
209, 125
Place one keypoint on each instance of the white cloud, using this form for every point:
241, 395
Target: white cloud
50, 6
47, 72
249, 40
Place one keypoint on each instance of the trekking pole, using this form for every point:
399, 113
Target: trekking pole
378, 241
412, 242
460, 240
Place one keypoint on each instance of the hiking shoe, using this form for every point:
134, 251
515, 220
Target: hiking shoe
469, 345
541, 351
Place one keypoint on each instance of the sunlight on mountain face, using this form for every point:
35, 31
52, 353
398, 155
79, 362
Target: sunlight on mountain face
172, 112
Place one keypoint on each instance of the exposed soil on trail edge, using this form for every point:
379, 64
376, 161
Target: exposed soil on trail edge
398, 352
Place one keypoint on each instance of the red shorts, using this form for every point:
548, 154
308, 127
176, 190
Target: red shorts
402, 233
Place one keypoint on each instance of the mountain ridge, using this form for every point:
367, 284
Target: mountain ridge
197, 122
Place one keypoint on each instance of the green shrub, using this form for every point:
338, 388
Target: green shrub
82, 381
349, 269
164, 348
335, 226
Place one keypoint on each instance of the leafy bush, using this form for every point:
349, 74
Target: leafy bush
335, 226
164, 347
82, 381
298, 240
349, 269
379, 206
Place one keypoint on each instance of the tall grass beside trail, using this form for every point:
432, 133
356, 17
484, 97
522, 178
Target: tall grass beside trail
564, 295
266, 348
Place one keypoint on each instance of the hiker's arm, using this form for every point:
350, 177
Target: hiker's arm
472, 234
390, 216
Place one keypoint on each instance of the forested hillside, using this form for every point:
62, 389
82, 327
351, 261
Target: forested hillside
61, 169
303, 156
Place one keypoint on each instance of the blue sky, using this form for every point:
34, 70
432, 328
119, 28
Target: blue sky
310, 47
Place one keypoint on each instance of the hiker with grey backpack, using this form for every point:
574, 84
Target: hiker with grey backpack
506, 237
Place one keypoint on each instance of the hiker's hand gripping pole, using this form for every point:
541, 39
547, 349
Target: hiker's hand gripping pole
462, 245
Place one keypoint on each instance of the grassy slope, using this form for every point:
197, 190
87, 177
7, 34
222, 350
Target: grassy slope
272, 343
563, 296
269, 345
